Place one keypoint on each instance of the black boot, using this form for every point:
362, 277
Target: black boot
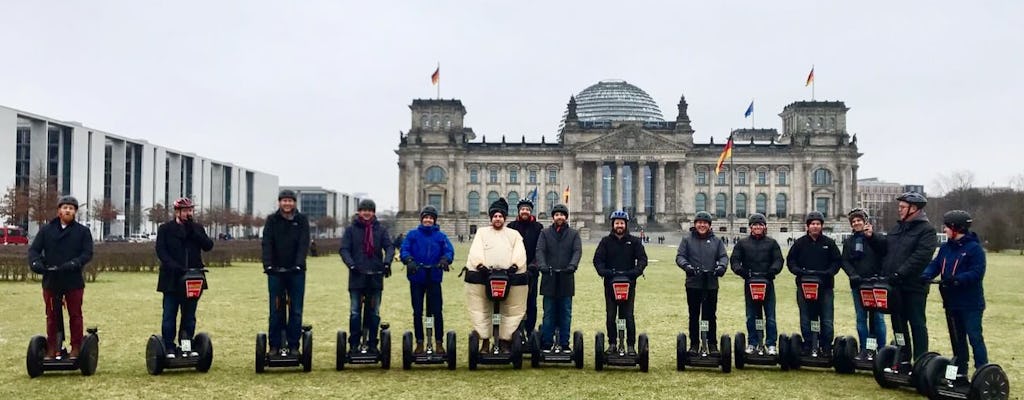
631, 350
485, 346
713, 348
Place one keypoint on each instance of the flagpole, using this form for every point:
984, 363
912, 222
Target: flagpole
813, 82
439, 80
732, 171
752, 112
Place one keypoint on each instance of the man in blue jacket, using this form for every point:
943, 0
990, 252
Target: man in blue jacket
960, 265
367, 251
427, 254
285, 244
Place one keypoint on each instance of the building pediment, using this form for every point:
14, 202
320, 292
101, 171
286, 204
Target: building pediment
630, 139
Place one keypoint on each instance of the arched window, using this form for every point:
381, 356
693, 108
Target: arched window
447, 122
437, 122
720, 200
700, 202
492, 197
761, 203
552, 199
741, 205
513, 198
435, 175
474, 203
822, 177
780, 205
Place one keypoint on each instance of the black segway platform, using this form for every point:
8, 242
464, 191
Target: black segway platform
285, 359
619, 356
88, 357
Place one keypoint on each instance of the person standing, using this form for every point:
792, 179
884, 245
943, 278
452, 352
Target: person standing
620, 254
558, 257
367, 251
702, 256
759, 255
862, 259
285, 245
427, 254
528, 227
815, 254
180, 244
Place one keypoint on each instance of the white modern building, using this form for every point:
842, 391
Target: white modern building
133, 174
317, 202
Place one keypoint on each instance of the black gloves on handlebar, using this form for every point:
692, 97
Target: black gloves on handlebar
895, 278
69, 265
38, 267
445, 264
720, 270
690, 270
410, 266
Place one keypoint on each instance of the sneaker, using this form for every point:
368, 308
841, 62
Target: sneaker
504, 346
546, 351
773, 351
74, 353
631, 350
293, 351
611, 348
566, 350
750, 349
419, 348
439, 347
275, 351
713, 348
861, 356
170, 356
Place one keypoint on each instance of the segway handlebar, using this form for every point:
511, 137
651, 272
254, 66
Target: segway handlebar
278, 270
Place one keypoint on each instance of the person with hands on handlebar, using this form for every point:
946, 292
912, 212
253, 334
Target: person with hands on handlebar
285, 245
620, 254
817, 255
759, 255
179, 246
59, 252
367, 251
427, 254
862, 259
528, 227
558, 256
702, 256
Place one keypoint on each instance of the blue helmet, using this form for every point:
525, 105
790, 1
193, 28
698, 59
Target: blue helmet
619, 214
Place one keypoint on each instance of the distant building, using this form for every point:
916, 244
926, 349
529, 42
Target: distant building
317, 202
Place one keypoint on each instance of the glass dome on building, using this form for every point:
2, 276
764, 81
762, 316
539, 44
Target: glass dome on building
616, 100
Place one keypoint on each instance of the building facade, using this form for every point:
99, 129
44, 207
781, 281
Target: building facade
614, 151
317, 202
132, 174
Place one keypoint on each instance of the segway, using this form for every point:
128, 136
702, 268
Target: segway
284, 358
942, 379
867, 300
363, 353
843, 349
196, 352
498, 282
703, 357
429, 356
36, 362
758, 288
556, 354
893, 368
619, 357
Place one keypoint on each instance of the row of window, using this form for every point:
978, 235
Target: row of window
820, 177
435, 175
427, 122
760, 204
550, 200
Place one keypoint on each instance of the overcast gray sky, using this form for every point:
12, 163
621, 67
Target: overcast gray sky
316, 92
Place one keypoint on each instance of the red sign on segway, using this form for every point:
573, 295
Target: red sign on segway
193, 288
867, 298
881, 298
621, 290
810, 291
498, 288
758, 290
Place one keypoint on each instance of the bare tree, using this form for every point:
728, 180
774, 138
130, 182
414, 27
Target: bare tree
327, 223
14, 207
104, 211
42, 197
960, 179
158, 214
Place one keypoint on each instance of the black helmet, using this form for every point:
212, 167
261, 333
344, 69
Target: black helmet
560, 208
858, 213
428, 210
366, 204
815, 216
913, 198
286, 194
757, 218
525, 202
619, 214
957, 220
67, 200
702, 216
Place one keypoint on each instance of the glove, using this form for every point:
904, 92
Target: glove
410, 267
604, 272
68, 266
949, 283
387, 271
533, 268
690, 271
544, 269
38, 267
298, 268
445, 264
408, 261
720, 271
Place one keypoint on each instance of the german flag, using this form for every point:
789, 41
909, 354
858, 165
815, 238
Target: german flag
810, 77
565, 196
436, 76
726, 153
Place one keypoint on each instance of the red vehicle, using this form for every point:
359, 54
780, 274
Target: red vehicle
12, 235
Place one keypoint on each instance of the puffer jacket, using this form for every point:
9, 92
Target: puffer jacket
909, 248
427, 245
961, 266
701, 253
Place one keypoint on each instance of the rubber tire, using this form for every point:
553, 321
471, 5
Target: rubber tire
34, 356
681, 352
385, 349
474, 349
918, 371
517, 350
884, 359
844, 354
307, 351
934, 372
89, 358
577, 349
725, 356
686, 351
796, 349
535, 353
599, 351
451, 353
988, 379
155, 355
784, 352
204, 346
341, 351
261, 352
407, 350
739, 349
643, 352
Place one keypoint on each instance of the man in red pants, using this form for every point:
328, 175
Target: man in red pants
59, 252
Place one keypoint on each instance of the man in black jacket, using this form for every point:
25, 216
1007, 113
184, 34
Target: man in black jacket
285, 245
528, 227
620, 254
179, 246
367, 250
558, 256
702, 256
909, 249
59, 253
862, 259
815, 254
759, 255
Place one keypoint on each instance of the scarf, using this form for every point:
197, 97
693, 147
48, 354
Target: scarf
367, 236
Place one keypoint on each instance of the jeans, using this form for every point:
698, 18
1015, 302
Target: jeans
172, 303
967, 326
432, 291
557, 315
875, 329
365, 313
54, 317
703, 306
768, 305
286, 292
530, 321
624, 310
910, 310
825, 305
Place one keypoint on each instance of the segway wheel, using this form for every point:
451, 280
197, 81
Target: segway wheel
341, 352
34, 357
261, 352
643, 353
796, 349
884, 358
989, 382
90, 355
577, 349
407, 350
204, 346
784, 352
934, 372
155, 355
739, 345
918, 372
725, 357
599, 351
450, 355
517, 350
844, 354
307, 351
385, 349
681, 352
535, 346
474, 349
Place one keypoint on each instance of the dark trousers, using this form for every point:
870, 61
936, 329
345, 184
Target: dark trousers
72, 300
768, 307
703, 305
825, 308
432, 292
172, 303
557, 315
530, 320
967, 327
364, 313
910, 322
292, 286
623, 310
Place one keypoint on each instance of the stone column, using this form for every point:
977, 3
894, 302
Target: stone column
402, 172
620, 189
659, 194
416, 179
598, 193
576, 190
449, 189
638, 184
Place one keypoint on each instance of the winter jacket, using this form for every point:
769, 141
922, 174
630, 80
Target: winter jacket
285, 241
620, 256
960, 265
366, 271
818, 256
68, 249
862, 264
530, 232
179, 248
756, 254
559, 249
427, 245
701, 253
909, 248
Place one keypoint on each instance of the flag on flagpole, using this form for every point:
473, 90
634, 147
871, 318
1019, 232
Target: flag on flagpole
726, 153
810, 78
750, 110
565, 196
436, 76
533, 195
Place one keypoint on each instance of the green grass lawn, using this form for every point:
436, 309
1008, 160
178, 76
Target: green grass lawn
126, 308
